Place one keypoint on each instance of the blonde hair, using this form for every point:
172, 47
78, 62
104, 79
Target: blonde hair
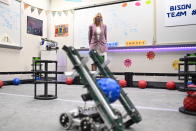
98, 14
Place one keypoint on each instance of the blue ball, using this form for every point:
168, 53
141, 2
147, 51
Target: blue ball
16, 81
189, 83
110, 87
37, 78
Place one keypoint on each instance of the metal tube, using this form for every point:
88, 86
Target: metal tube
94, 87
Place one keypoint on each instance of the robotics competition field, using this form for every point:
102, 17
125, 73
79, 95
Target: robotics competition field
19, 110
100, 103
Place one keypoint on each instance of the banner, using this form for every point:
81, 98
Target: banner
5, 1
180, 12
39, 10
26, 6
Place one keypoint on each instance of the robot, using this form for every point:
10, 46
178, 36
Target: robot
102, 116
47, 44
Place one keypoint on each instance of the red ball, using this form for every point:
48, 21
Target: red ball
1, 83
142, 84
69, 81
122, 83
171, 85
194, 94
190, 103
191, 92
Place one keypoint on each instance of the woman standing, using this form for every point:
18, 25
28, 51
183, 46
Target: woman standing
98, 37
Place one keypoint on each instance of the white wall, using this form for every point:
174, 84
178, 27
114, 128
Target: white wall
21, 60
162, 63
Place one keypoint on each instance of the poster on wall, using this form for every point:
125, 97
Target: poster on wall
5, 1
61, 30
34, 26
180, 12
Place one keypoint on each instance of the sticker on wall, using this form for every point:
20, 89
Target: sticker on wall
61, 30
124, 5
135, 43
5, 1
137, 3
150, 55
148, 2
127, 62
175, 64
112, 44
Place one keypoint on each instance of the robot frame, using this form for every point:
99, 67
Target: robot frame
102, 116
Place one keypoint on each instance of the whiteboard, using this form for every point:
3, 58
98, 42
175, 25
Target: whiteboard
10, 26
124, 24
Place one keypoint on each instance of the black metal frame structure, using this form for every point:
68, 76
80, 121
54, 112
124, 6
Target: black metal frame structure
45, 80
188, 74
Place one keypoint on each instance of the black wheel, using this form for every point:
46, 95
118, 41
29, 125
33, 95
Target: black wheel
128, 123
87, 124
118, 113
66, 121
